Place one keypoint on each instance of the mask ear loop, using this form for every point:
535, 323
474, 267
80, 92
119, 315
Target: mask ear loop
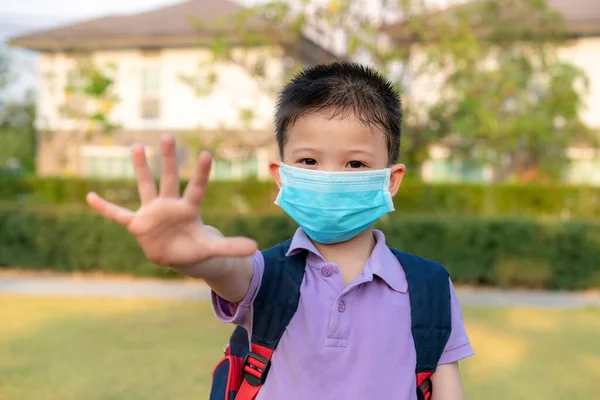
386, 190
278, 198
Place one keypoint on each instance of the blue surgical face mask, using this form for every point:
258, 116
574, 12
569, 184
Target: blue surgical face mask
333, 207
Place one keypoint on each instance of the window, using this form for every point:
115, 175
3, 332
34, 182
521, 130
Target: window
108, 162
448, 170
107, 167
150, 100
150, 108
223, 169
249, 168
75, 102
235, 169
151, 79
584, 172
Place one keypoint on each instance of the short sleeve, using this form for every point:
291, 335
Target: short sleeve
240, 313
458, 346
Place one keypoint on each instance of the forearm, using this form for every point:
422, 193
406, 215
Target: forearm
447, 383
228, 277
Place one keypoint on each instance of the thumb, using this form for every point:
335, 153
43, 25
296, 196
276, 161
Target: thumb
232, 247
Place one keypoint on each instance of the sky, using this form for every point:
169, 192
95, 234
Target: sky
24, 16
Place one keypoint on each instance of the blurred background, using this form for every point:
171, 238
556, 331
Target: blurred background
501, 134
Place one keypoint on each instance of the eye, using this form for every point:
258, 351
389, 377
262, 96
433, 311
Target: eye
308, 161
355, 164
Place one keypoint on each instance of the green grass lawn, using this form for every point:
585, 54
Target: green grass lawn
104, 349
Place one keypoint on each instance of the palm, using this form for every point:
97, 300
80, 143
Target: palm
168, 227
169, 232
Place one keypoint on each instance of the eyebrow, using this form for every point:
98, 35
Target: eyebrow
353, 151
301, 149
359, 151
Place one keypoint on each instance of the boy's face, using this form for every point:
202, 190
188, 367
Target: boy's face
317, 141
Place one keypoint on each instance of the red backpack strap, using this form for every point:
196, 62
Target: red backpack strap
274, 307
424, 387
431, 321
255, 369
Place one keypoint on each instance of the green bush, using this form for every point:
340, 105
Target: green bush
257, 197
481, 251
239, 197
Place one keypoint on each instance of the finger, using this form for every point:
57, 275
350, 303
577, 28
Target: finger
232, 247
196, 187
109, 210
169, 179
145, 181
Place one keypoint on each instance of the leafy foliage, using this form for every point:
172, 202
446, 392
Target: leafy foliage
17, 136
5, 72
17, 131
484, 78
256, 197
89, 98
496, 252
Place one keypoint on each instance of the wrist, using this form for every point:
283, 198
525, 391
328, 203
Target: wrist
209, 269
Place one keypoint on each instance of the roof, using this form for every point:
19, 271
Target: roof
580, 17
180, 25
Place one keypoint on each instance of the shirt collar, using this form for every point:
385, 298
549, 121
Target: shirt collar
385, 265
300, 242
382, 261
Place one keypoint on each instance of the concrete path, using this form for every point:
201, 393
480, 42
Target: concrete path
191, 290
64, 286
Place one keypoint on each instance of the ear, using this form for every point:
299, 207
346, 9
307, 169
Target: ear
274, 170
398, 171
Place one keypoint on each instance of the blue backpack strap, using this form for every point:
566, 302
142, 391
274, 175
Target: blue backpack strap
431, 318
278, 296
274, 307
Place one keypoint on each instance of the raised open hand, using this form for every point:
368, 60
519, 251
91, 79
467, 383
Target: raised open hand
168, 226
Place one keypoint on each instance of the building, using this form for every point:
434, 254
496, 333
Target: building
152, 58
582, 20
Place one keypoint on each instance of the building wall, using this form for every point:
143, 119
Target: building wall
101, 156
157, 76
138, 74
585, 54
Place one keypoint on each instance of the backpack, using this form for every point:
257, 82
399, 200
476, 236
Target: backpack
245, 366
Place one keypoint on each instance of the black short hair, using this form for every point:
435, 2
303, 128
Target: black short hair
342, 87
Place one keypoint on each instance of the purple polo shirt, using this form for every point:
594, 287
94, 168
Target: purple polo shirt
350, 343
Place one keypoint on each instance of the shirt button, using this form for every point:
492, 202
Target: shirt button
341, 306
326, 271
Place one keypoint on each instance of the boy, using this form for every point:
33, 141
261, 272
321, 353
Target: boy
338, 131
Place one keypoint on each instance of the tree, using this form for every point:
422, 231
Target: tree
88, 102
506, 97
483, 78
4, 70
89, 99
17, 136
17, 132
256, 40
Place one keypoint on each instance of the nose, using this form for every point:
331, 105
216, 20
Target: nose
330, 166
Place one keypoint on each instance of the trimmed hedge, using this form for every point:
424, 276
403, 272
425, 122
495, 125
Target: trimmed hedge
481, 251
257, 197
